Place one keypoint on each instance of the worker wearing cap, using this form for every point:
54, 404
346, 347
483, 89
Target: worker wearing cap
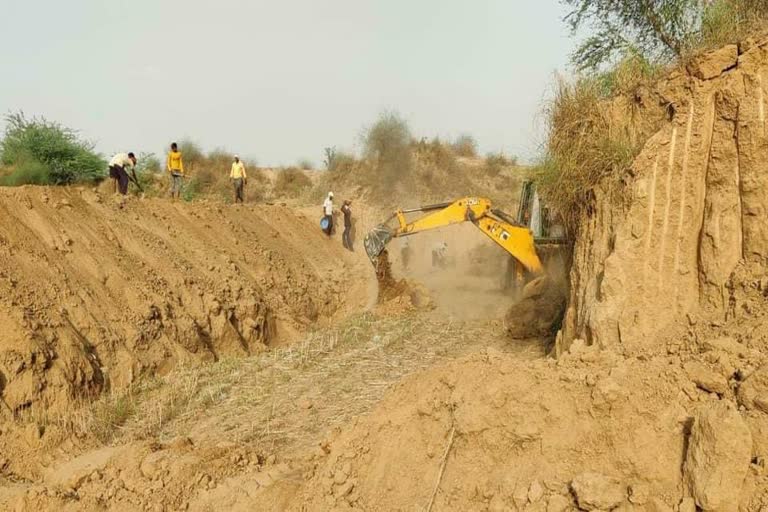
239, 178
118, 173
346, 237
175, 167
328, 213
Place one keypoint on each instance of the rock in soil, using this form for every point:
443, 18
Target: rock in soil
719, 453
594, 491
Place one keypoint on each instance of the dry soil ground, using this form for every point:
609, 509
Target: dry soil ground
245, 427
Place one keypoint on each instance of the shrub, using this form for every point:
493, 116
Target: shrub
291, 182
27, 172
148, 163
436, 154
44, 152
342, 162
465, 145
388, 145
191, 153
495, 162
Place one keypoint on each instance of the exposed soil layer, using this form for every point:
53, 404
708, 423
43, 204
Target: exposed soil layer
663, 249
95, 292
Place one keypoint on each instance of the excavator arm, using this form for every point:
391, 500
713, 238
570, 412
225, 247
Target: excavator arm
496, 225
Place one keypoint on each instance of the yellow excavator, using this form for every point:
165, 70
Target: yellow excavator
514, 235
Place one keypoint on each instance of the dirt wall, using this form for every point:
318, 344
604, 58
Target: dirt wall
660, 253
94, 292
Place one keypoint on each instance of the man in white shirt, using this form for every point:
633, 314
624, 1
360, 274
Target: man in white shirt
118, 173
328, 213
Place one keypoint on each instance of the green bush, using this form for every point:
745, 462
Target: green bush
28, 172
43, 152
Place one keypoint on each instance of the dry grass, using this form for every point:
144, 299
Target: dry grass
595, 132
285, 397
465, 146
496, 162
730, 21
291, 182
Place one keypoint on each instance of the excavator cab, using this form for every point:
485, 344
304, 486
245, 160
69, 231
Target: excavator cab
545, 224
548, 231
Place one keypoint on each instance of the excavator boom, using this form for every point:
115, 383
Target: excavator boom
516, 240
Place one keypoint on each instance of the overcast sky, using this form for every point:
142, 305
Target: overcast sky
280, 80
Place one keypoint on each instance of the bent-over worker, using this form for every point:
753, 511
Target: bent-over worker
118, 173
346, 237
175, 167
239, 178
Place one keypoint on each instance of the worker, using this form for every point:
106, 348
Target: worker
175, 167
118, 173
439, 255
239, 178
328, 214
346, 237
405, 253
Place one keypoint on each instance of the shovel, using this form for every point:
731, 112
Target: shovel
135, 180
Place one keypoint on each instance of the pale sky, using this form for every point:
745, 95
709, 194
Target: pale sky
280, 80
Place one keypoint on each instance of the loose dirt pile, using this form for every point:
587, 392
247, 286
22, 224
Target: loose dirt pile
592, 430
398, 296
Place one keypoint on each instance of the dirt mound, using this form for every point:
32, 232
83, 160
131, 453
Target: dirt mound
539, 310
692, 210
592, 430
94, 292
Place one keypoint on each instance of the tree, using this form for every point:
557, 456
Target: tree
330, 158
659, 30
388, 144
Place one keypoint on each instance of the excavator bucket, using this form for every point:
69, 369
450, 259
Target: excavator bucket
376, 240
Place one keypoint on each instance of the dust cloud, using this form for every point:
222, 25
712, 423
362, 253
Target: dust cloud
469, 285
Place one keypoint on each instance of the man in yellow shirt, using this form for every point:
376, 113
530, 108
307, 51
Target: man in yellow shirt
175, 167
239, 178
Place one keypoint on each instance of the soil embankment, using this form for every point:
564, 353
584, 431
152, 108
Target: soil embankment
688, 229
656, 402
94, 293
